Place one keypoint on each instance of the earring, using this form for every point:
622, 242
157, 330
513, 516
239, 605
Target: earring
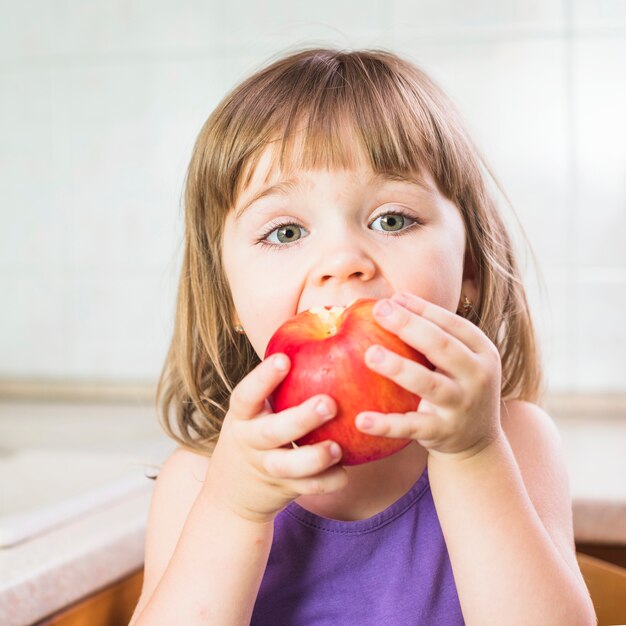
240, 330
467, 306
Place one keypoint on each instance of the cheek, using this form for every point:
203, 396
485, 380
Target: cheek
262, 307
441, 279
261, 326
450, 282
264, 294
449, 264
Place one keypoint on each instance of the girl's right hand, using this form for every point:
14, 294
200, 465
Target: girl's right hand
254, 471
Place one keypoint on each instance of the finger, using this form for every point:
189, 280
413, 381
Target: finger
455, 325
333, 479
279, 429
424, 427
433, 386
248, 397
303, 461
442, 349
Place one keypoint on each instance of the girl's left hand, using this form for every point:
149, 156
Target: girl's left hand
459, 414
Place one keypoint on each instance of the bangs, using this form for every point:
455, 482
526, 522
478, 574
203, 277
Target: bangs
330, 110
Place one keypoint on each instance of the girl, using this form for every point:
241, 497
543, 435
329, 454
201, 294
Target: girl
325, 177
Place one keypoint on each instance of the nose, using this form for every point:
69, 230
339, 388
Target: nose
342, 261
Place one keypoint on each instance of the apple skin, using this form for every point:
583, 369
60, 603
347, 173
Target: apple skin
326, 346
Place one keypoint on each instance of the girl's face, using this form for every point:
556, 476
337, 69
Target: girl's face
330, 237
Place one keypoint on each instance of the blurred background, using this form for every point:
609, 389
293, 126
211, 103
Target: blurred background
100, 105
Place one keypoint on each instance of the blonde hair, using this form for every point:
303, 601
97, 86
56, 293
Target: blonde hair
399, 120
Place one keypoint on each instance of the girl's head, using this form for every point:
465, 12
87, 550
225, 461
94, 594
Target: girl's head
376, 188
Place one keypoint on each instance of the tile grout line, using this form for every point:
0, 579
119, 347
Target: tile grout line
572, 194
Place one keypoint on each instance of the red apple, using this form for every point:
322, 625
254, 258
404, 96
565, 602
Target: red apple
327, 347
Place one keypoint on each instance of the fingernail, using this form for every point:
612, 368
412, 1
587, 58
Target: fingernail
383, 308
376, 355
280, 363
335, 450
365, 422
322, 408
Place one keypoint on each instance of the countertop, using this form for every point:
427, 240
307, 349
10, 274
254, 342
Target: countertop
46, 573
50, 571
64, 563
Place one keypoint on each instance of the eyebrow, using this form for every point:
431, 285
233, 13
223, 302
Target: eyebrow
291, 184
280, 188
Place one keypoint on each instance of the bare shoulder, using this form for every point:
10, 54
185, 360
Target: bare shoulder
536, 443
184, 463
526, 419
538, 449
176, 488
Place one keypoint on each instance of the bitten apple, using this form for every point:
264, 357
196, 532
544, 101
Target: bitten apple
327, 347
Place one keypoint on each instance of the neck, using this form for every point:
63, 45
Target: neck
372, 487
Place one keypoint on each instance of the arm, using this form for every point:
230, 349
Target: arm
210, 525
215, 570
499, 486
513, 558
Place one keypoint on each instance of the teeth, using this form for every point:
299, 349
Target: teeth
334, 309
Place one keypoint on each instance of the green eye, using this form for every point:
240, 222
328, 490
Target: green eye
283, 235
395, 222
392, 221
287, 233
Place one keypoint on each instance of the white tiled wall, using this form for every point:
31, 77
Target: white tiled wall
100, 104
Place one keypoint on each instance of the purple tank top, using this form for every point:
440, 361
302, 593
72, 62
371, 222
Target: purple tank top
392, 568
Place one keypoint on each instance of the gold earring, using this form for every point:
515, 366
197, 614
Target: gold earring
467, 306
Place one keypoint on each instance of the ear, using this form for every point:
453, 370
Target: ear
469, 286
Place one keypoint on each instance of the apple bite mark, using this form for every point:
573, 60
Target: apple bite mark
328, 317
326, 346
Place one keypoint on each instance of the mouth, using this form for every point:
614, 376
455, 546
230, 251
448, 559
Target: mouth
332, 308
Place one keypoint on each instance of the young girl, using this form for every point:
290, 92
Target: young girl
325, 177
